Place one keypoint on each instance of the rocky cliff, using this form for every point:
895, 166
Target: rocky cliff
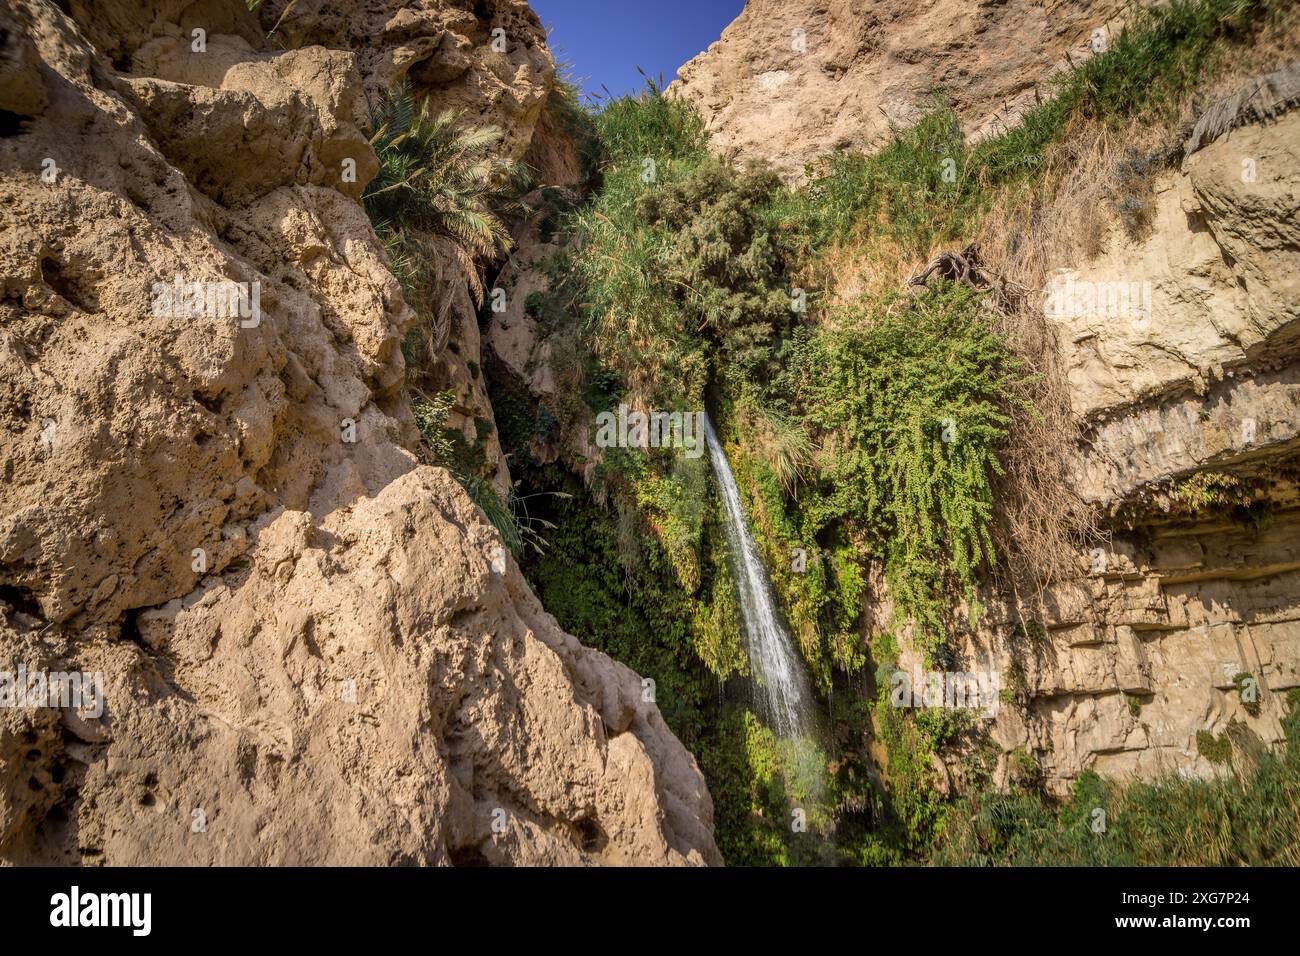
313, 650
1183, 399
790, 81
1189, 621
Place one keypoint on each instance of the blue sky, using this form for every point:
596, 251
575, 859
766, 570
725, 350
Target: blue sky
606, 41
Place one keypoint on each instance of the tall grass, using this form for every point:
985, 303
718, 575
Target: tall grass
1247, 818
632, 128
900, 193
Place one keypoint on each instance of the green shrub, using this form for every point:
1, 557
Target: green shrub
441, 177
684, 276
448, 448
1248, 692
1214, 749
909, 401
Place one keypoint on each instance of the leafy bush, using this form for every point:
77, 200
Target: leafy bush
431, 419
909, 401
683, 271
1214, 749
898, 196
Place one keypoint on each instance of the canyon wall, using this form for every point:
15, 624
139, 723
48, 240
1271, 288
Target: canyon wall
791, 80
312, 648
1189, 620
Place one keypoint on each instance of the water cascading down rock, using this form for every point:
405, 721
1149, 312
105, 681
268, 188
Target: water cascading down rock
782, 684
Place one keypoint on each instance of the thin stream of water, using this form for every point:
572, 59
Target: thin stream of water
782, 682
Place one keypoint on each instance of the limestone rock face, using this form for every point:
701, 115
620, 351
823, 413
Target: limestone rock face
312, 650
539, 354
297, 116
1188, 366
791, 80
1194, 624
378, 686
22, 90
487, 59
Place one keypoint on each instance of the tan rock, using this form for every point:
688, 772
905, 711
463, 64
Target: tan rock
1214, 280
446, 49
294, 117
370, 690
22, 91
489, 62
540, 359
791, 80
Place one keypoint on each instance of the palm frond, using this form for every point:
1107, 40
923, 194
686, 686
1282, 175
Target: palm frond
439, 178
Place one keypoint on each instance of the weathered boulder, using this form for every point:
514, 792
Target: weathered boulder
486, 59
376, 686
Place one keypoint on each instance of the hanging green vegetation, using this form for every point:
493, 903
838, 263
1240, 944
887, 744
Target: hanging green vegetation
909, 401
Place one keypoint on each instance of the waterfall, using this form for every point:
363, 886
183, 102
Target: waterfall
782, 682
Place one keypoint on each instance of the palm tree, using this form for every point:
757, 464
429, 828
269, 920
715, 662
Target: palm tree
439, 181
